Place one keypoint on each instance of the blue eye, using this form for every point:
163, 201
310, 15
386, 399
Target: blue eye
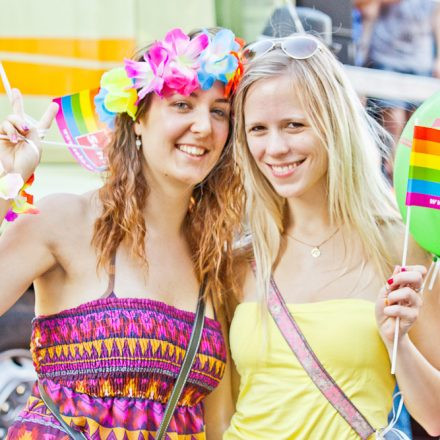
221, 113
293, 124
257, 128
181, 105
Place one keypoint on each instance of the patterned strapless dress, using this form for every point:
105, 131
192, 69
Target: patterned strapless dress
110, 366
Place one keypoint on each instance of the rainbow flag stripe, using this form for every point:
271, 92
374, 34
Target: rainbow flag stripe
424, 169
79, 125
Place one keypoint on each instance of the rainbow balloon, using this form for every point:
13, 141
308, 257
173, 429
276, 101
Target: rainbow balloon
80, 127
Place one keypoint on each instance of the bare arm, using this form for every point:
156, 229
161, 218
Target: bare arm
24, 251
24, 256
219, 405
420, 362
418, 355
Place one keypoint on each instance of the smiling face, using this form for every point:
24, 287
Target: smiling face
281, 140
183, 136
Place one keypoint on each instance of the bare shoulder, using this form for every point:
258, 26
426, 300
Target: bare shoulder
59, 215
64, 205
241, 261
39, 247
426, 331
62, 210
242, 268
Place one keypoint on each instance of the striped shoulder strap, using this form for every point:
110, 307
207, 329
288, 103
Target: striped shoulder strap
311, 364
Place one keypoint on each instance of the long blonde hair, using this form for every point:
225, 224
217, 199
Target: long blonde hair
213, 217
358, 195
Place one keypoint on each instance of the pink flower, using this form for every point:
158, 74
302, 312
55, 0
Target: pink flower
180, 72
147, 75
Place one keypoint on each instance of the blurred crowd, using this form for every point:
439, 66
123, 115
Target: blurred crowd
397, 36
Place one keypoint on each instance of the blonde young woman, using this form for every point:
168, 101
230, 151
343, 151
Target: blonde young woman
117, 271
325, 227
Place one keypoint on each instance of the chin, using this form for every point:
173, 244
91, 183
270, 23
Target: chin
288, 192
191, 179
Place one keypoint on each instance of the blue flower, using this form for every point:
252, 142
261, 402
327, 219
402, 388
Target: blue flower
217, 63
104, 115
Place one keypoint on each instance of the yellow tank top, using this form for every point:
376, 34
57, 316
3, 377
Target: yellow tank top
278, 400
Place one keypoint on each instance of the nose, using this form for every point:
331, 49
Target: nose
202, 124
276, 144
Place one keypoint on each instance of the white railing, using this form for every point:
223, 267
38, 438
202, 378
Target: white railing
391, 85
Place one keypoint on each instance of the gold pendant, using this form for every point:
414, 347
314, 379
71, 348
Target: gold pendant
315, 252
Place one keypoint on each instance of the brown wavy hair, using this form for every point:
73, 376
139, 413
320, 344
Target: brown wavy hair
211, 223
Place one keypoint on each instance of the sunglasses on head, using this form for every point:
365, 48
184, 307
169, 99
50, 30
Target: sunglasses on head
298, 47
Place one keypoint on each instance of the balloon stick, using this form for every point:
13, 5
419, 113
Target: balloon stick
397, 325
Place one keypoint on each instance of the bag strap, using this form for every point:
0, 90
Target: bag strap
75, 435
193, 346
185, 369
311, 364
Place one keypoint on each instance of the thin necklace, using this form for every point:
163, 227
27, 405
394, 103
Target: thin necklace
315, 251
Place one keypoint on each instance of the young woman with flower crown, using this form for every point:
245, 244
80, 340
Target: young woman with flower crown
313, 334
117, 271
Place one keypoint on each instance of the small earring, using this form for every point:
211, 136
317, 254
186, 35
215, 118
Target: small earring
138, 143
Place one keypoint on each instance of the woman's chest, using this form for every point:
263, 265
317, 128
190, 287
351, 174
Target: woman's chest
343, 334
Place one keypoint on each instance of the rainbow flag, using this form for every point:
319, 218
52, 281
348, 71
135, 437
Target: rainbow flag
80, 126
424, 169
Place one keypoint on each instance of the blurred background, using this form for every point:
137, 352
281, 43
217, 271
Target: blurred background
50, 48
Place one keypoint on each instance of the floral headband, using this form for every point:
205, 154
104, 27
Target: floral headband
177, 64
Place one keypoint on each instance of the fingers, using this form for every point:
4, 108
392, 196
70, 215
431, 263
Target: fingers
17, 103
407, 314
18, 124
46, 120
402, 300
9, 130
399, 298
412, 277
404, 304
416, 267
396, 270
17, 119
406, 296
12, 129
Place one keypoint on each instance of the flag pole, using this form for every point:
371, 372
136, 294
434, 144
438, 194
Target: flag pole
60, 144
436, 262
397, 325
6, 84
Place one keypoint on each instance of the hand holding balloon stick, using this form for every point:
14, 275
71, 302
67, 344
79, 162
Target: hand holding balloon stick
423, 192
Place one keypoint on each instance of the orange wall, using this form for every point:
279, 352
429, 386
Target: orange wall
52, 69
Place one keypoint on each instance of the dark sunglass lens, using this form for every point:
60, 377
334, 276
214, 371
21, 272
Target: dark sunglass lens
300, 48
257, 49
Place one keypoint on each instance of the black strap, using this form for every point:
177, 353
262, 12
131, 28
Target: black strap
193, 346
111, 278
75, 435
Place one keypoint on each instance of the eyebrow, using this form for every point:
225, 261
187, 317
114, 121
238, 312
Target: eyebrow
252, 123
220, 100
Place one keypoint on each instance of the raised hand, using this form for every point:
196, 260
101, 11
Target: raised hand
20, 144
399, 298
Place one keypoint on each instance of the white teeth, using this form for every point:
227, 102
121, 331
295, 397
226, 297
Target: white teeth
191, 149
284, 168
